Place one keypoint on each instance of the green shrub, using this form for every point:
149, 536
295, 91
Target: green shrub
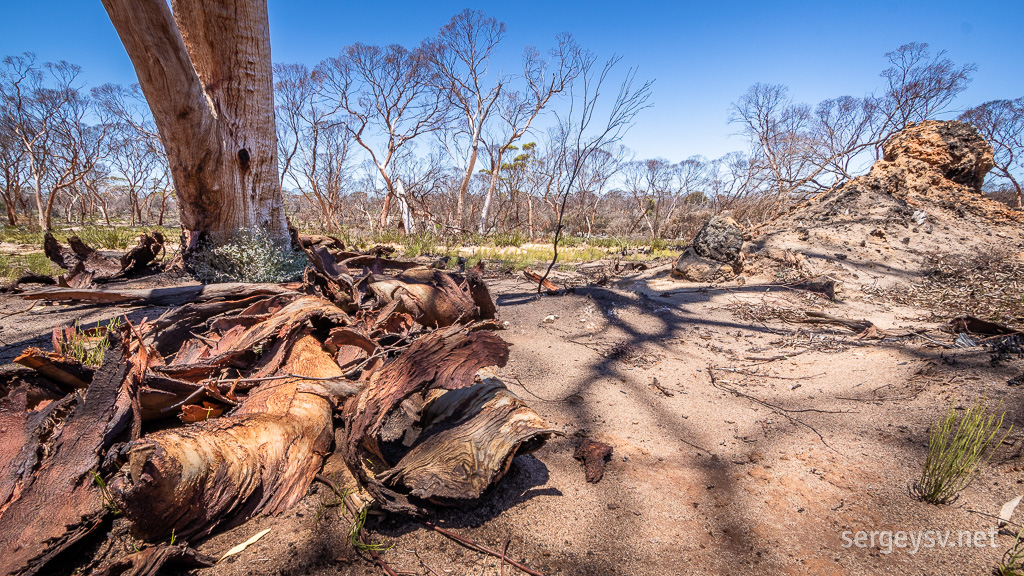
250, 256
957, 451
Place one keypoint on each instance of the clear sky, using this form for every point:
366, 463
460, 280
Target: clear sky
702, 55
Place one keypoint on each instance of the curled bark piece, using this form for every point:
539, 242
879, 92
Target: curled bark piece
64, 372
594, 455
50, 498
58, 254
259, 459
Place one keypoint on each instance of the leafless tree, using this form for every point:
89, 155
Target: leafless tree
133, 150
578, 137
13, 170
544, 79
314, 148
46, 112
918, 86
461, 56
385, 99
1001, 122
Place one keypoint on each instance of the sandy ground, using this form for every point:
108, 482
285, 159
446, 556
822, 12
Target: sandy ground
807, 433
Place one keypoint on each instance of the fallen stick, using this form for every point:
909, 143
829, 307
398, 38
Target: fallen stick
541, 282
479, 548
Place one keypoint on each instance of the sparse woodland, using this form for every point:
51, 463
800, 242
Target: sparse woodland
437, 138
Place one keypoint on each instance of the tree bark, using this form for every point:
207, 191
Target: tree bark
206, 74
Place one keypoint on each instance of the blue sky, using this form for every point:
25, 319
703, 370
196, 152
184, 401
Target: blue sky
702, 55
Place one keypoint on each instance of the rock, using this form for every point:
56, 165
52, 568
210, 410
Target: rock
953, 148
720, 239
695, 268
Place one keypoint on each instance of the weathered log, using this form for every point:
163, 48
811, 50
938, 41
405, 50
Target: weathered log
172, 296
469, 439
50, 499
259, 459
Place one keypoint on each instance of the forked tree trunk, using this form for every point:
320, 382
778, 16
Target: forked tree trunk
206, 72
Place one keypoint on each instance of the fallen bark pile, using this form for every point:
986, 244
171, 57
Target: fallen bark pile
256, 374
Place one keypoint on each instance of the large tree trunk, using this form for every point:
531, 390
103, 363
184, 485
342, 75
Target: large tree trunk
206, 73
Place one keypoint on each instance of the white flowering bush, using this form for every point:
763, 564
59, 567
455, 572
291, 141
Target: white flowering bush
250, 256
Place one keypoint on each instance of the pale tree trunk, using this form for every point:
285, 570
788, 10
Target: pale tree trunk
529, 215
465, 180
206, 73
403, 202
490, 194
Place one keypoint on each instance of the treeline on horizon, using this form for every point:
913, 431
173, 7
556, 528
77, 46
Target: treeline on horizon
431, 139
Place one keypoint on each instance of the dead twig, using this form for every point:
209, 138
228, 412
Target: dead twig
665, 391
784, 412
477, 547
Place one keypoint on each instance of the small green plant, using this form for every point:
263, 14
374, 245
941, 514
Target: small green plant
88, 345
250, 256
108, 501
956, 450
1013, 559
355, 532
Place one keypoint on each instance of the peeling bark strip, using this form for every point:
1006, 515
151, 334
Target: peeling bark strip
261, 458
51, 501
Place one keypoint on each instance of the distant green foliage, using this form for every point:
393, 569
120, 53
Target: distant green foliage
110, 237
957, 451
250, 256
14, 265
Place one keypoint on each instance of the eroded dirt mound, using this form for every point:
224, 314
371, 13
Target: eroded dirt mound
923, 198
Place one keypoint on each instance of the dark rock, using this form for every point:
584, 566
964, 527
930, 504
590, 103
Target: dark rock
720, 239
695, 268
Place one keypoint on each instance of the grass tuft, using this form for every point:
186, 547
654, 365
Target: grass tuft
1013, 559
88, 345
956, 450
